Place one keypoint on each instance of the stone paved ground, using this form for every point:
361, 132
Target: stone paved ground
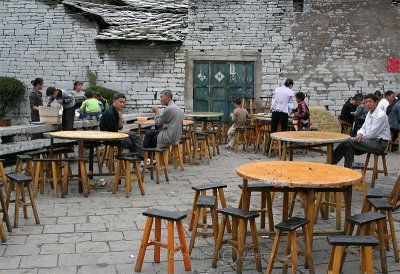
101, 234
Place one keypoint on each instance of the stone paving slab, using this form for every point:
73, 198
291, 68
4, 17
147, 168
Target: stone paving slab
102, 233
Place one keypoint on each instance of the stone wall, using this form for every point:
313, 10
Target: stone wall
331, 50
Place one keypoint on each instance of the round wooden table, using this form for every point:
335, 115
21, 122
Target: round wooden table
88, 136
304, 177
312, 139
204, 115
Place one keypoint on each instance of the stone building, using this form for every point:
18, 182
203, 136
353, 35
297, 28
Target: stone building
205, 51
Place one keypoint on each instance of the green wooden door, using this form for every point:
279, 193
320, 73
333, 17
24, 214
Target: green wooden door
217, 83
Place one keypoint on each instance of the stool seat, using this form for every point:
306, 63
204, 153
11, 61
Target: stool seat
209, 186
164, 214
155, 149
344, 240
241, 129
206, 201
265, 130
75, 159
47, 160
126, 157
20, 178
357, 165
24, 157
292, 224
239, 213
365, 218
374, 193
380, 203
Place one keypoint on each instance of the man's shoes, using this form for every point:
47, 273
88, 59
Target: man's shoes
228, 147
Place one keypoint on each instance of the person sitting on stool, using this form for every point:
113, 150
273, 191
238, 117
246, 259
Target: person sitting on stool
371, 137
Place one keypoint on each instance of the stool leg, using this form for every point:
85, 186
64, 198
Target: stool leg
381, 239
274, 250
16, 212
36, 178
308, 250
55, 177
182, 241
254, 237
24, 206
269, 211
65, 181
171, 247
337, 259
194, 230
214, 218
139, 177
223, 205
165, 167
127, 178
218, 244
178, 148
393, 234
367, 261
33, 204
157, 240
144, 244
263, 209
385, 172
331, 259
241, 244
117, 177
293, 245
193, 215
3, 236
159, 158
6, 217
85, 181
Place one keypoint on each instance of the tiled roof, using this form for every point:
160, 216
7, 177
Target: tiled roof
148, 20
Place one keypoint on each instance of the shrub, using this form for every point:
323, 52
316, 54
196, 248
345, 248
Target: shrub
12, 93
105, 92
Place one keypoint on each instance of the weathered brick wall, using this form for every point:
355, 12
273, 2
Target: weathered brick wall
331, 50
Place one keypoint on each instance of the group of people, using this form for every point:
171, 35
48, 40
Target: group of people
87, 104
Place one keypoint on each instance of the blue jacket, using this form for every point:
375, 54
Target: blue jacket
394, 116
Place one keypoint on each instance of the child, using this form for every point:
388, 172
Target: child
67, 100
239, 121
91, 107
103, 101
303, 113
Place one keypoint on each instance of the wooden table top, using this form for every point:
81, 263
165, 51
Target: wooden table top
200, 114
310, 136
299, 174
88, 135
152, 122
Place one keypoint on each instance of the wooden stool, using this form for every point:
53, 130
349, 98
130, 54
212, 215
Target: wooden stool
264, 135
124, 162
158, 153
375, 169
218, 191
174, 152
251, 136
6, 217
186, 149
290, 226
68, 173
383, 206
171, 217
55, 172
205, 202
213, 136
266, 201
201, 147
22, 181
28, 164
239, 218
339, 242
3, 175
240, 138
364, 222
108, 156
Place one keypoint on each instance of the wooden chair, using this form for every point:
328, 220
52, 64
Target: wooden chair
20, 181
205, 202
157, 154
375, 170
157, 216
338, 244
290, 226
123, 171
218, 191
239, 219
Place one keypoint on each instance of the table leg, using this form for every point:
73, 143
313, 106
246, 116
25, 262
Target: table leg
290, 151
245, 196
91, 152
284, 150
80, 155
329, 154
220, 130
285, 206
310, 207
347, 193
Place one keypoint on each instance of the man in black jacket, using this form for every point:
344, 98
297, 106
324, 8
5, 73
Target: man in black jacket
111, 120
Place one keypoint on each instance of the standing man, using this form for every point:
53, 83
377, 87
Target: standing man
111, 120
67, 100
281, 107
371, 137
170, 123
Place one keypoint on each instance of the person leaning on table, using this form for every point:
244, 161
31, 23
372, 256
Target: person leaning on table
67, 100
111, 120
371, 137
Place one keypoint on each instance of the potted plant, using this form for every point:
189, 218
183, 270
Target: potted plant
12, 93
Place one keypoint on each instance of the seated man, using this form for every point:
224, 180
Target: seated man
371, 137
170, 124
111, 120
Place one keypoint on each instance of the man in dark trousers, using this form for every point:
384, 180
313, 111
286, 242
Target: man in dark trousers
281, 107
111, 120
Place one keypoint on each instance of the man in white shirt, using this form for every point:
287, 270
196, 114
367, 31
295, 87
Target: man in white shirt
281, 107
385, 102
371, 137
